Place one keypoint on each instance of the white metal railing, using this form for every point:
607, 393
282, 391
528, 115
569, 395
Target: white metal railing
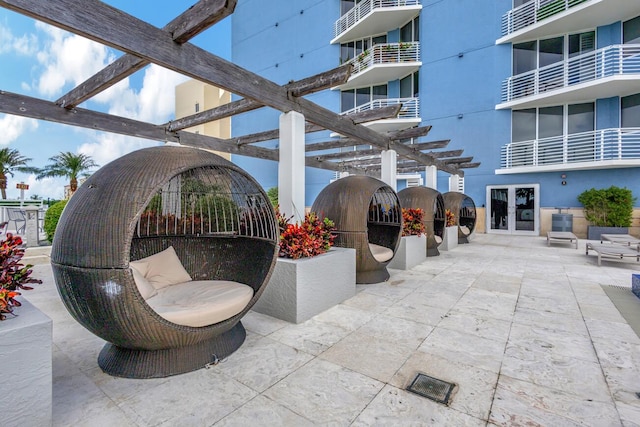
386, 53
594, 146
410, 107
590, 66
532, 12
364, 8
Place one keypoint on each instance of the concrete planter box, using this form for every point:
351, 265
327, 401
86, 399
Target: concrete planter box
594, 232
26, 350
411, 252
299, 289
450, 240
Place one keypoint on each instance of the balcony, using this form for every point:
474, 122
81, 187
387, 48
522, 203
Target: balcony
383, 63
408, 117
603, 73
600, 149
371, 17
540, 18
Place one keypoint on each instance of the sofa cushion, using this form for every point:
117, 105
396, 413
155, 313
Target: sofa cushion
465, 230
201, 302
438, 239
145, 288
380, 253
163, 269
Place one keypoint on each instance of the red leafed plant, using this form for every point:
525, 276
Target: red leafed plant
310, 238
14, 275
450, 218
412, 224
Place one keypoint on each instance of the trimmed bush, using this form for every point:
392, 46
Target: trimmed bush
608, 207
272, 193
51, 218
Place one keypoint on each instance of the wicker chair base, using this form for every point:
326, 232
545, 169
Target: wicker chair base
463, 239
433, 251
372, 276
128, 363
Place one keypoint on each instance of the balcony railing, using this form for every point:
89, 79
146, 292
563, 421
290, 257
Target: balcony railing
534, 11
364, 8
595, 146
386, 53
410, 106
591, 66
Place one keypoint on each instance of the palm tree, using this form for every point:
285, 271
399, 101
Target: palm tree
67, 165
12, 161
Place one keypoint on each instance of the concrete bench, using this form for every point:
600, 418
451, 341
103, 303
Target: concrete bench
561, 236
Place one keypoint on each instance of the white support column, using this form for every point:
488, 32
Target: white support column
453, 183
291, 179
431, 175
389, 170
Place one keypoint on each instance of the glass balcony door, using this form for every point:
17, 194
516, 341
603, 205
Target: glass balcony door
513, 209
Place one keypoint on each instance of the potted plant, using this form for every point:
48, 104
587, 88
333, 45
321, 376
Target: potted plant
310, 275
450, 240
14, 275
608, 210
413, 243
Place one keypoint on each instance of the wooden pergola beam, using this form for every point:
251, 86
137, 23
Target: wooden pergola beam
459, 160
409, 133
431, 145
347, 154
445, 154
110, 26
193, 21
357, 118
302, 87
469, 165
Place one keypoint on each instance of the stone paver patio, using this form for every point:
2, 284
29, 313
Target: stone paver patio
524, 330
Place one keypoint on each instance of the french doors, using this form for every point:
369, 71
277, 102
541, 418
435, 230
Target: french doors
513, 209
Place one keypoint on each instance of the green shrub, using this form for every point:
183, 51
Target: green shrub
51, 218
608, 207
272, 193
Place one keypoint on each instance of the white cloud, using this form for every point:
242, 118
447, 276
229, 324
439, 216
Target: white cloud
68, 58
11, 127
24, 45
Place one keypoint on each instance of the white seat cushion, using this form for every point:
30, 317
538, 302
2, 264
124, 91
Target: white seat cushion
201, 302
162, 269
438, 239
380, 253
145, 288
465, 230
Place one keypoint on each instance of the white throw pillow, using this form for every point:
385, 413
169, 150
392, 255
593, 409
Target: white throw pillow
164, 269
145, 288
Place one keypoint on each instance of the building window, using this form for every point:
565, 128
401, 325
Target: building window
411, 31
549, 122
535, 54
630, 106
352, 49
631, 31
409, 87
353, 98
524, 57
197, 107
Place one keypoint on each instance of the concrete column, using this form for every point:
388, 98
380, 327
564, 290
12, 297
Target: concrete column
291, 179
453, 183
31, 232
431, 175
389, 170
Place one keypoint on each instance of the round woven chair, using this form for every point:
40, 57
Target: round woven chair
464, 210
432, 204
368, 218
210, 213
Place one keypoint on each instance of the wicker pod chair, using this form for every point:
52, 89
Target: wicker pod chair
432, 204
464, 210
368, 218
218, 221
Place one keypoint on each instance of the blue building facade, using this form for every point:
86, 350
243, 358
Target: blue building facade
545, 94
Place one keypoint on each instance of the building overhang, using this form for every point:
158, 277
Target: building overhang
562, 167
608, 87
379, 20
380, 73
590, 14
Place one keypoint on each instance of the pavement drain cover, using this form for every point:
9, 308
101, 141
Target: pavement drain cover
431, 388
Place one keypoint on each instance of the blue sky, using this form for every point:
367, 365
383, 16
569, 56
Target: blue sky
41, 61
